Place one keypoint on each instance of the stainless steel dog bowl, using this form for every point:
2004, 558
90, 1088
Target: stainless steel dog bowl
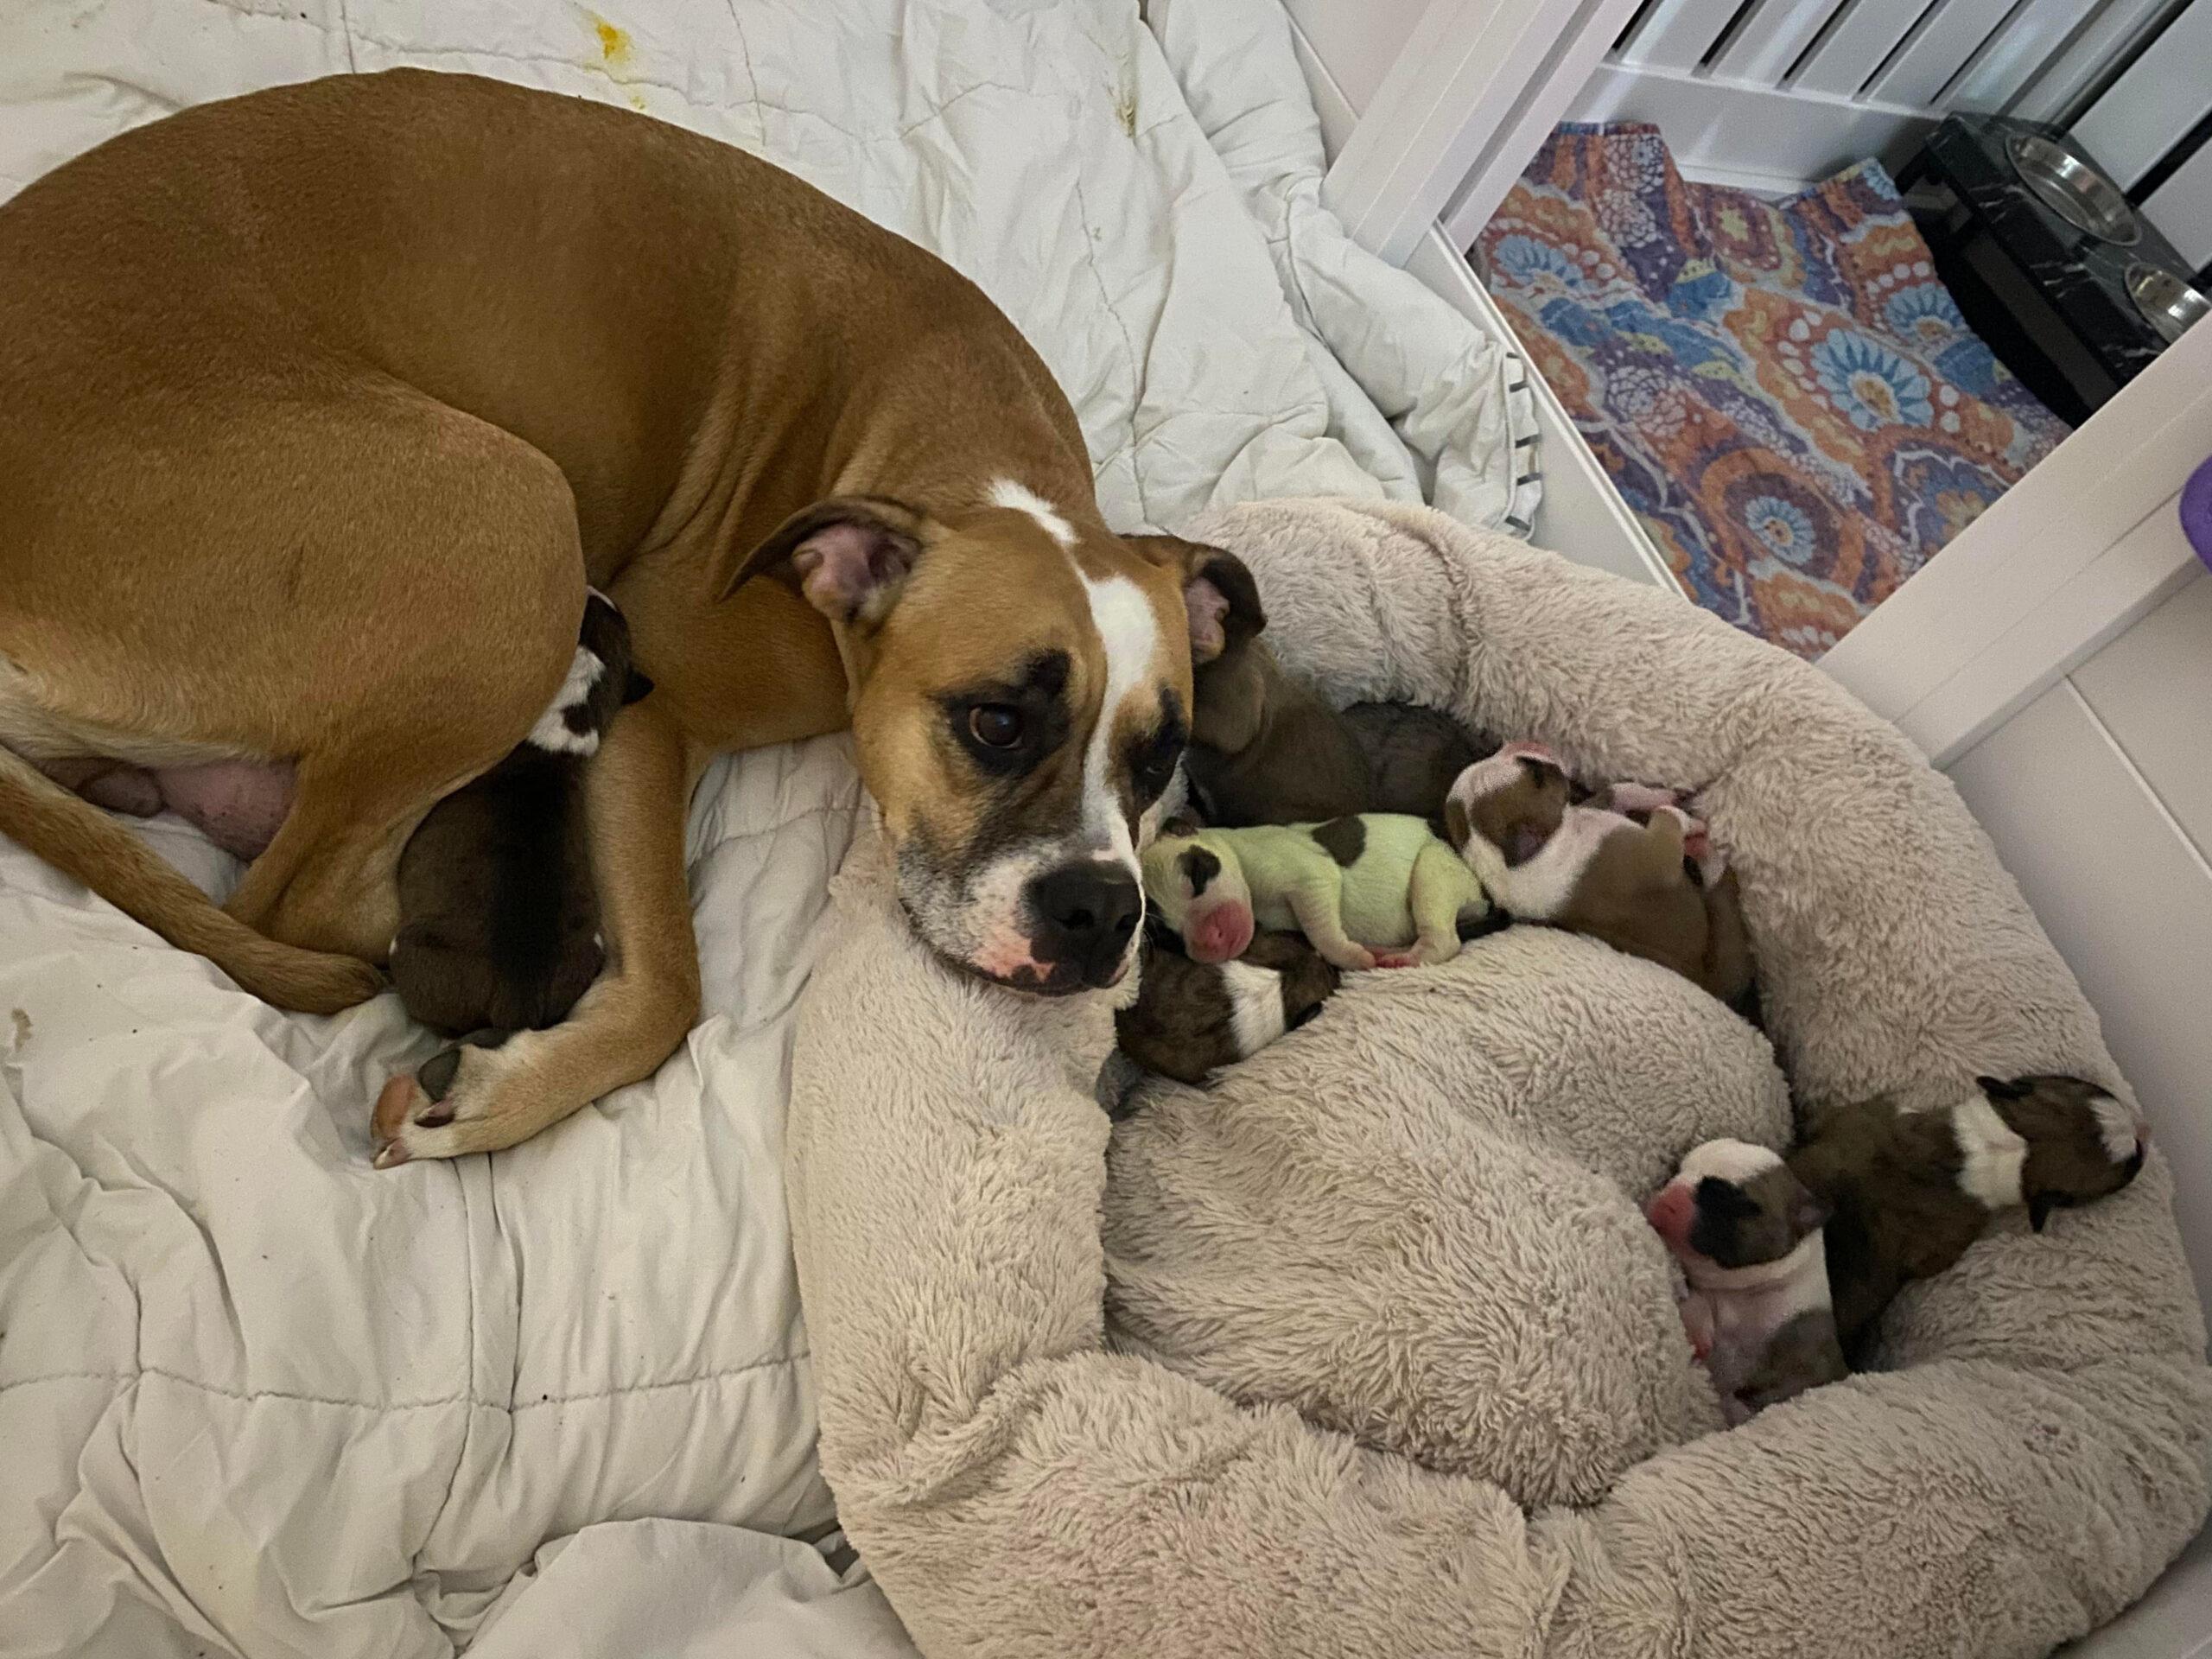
2171, 304
2073, 189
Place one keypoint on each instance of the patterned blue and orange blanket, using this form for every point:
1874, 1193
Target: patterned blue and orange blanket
1784, 392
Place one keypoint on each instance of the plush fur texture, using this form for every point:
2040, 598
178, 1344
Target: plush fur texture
1173, 1397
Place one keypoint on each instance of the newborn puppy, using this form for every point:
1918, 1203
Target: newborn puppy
1415, 753
1377, 890
1594, 869
1748, 1235
1191, 1018
1909, 1192
498, 922
1265, 748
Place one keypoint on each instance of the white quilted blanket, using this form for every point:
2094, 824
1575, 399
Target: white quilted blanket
257, 1399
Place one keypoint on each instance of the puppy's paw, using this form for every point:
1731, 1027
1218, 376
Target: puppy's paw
1712, 864
1697, 840
1633, 798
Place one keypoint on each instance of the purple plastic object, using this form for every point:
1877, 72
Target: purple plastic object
2197, 511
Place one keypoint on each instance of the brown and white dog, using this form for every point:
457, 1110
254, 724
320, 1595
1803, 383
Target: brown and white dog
1756, 1307
319, 409
1908, 1191
1613, 868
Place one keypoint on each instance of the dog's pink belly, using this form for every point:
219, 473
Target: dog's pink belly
239, 803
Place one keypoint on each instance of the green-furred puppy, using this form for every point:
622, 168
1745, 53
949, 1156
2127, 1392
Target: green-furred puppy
1375, 891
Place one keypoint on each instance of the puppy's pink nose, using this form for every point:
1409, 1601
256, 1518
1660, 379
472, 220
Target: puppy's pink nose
1669, 1213
1220, 935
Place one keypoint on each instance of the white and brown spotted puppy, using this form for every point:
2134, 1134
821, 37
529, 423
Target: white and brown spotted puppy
1630, 867
1909, 1192
498, 922
1191, 1019
1756, 1308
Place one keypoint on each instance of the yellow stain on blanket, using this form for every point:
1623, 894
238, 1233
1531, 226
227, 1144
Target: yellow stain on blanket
616, 51
613, 43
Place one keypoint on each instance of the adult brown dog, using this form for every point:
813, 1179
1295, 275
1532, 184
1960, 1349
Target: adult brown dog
319, 408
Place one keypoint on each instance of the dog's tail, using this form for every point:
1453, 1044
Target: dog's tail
80, 840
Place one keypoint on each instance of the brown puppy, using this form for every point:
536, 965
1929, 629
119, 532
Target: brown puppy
1594, 869
1190, 1019
287, 376
1265, 747
499, 923
1415, 754
1909, 1192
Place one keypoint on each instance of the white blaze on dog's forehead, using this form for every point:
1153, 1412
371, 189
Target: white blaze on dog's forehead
2116, 1128
1128, 636
1991, 1152
552, 732
1017, 497
1735, 1161
1256, 1014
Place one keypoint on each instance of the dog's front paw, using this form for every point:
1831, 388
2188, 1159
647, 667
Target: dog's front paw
428, 1113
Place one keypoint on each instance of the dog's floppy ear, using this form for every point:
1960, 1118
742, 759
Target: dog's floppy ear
1220, 599
850, 555
1807, 1212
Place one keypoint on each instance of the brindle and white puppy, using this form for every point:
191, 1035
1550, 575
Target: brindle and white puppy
1190, 1018
1757, 1307
1909, 1192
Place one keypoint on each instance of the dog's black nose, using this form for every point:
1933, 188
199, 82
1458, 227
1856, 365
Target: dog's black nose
1085, 913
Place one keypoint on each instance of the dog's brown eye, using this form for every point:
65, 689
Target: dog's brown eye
995, 725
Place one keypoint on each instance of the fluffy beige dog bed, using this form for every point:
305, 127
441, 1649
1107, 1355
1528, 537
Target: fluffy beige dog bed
1367, 1350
